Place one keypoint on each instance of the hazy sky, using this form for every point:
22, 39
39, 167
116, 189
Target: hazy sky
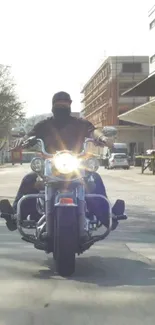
55, 45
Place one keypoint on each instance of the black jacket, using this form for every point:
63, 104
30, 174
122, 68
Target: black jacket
69, 135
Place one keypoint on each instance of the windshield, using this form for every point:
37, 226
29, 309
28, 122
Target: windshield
120, 156
119, 150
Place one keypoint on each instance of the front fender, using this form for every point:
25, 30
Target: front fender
65, 199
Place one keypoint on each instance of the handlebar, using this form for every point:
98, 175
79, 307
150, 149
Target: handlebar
44, 152
35, 141
43, 148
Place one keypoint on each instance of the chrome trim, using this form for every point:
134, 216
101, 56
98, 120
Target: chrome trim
18, 215
87, 141
47, 177
43, 148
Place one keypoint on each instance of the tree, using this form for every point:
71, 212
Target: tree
11, 109
31, 121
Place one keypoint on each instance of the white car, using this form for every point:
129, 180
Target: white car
118, 160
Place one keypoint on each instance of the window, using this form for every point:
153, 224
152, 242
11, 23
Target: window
152, 59
152, 24
132, 67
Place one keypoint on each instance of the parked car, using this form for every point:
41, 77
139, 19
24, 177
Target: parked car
118, 160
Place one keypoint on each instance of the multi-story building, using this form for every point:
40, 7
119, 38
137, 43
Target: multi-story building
151, 15
145, 114
102, 100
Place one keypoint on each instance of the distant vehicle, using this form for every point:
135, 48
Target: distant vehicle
118, 160
118, 148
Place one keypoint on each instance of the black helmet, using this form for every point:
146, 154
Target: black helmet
62, 95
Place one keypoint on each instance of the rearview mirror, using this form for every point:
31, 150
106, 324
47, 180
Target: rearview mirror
109, 131
18, 133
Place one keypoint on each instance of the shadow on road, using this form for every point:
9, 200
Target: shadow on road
109, 272
102, 271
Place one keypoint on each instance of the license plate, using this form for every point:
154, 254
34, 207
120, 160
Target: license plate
121, 161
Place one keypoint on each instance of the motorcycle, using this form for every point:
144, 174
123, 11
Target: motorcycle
67, 222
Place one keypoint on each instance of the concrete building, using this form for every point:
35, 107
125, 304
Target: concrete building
151, 16
145, 114
102, 101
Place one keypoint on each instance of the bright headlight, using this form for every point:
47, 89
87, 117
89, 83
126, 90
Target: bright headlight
37, 164
66, 163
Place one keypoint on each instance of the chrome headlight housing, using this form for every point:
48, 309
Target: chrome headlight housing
66, 163
37, 165
92, 164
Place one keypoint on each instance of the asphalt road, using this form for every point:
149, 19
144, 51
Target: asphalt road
114, 281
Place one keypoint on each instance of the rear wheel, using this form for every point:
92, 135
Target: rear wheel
65, 240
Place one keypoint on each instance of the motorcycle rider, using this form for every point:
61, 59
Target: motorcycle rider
59, 132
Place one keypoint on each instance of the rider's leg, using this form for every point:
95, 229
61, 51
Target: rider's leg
99, 187
26, 187
98, 206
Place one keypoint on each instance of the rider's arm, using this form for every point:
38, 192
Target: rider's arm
35, 132
97, 135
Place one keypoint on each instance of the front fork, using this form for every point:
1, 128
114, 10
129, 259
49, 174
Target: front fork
52, 197
49, 209
83, 224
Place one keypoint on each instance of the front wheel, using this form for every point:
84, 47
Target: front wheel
65, 240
